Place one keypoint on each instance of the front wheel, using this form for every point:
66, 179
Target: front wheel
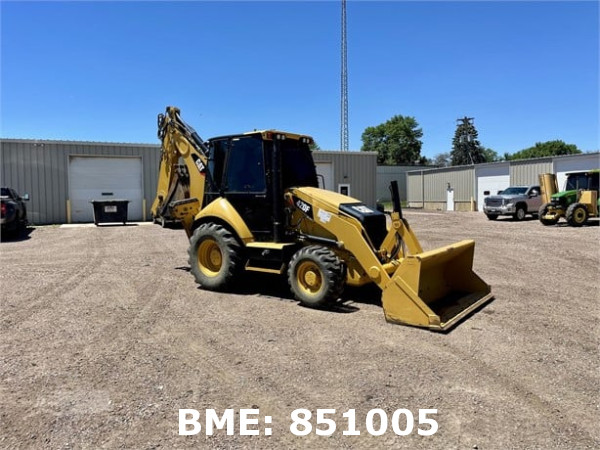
543, 211
316, 276
577, 214
214, 257
520, 213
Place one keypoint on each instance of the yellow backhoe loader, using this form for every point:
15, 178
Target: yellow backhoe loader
254, 204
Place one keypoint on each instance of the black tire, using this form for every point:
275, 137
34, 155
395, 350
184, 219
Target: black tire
577, 214
22, 226
316, 276
520, 213
492, 216
543, 211
214, 257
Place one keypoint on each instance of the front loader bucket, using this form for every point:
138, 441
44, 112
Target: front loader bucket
435, 289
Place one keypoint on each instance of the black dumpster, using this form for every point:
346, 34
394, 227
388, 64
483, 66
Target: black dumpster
110, 211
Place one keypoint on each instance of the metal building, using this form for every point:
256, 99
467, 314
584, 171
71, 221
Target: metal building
387, 174
350, 173
62, 177
448, 188
463, 188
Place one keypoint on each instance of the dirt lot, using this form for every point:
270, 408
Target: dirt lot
104, 337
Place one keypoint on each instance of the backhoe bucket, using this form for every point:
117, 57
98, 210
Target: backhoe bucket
435, 289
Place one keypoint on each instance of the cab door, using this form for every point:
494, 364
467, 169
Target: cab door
245, 184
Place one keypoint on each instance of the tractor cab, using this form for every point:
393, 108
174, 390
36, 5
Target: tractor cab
253, 170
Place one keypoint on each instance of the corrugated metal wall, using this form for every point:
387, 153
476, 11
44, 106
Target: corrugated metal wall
387, 174
358, 169
525, 172
430, 186
414, 188
460, 179
41, 168
427, 188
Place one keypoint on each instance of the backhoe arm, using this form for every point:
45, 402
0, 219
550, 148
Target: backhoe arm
179, 140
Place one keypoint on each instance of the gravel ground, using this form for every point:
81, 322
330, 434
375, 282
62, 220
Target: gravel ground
104, 336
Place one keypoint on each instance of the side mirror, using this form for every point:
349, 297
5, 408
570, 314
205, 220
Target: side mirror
533, 194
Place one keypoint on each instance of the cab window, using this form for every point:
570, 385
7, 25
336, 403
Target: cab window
245, 165
216, 161
575, 182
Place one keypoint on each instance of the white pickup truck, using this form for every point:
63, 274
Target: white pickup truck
516, 201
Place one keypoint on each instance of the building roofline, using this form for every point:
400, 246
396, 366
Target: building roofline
338, 152
130, 144
509, 162
67, 142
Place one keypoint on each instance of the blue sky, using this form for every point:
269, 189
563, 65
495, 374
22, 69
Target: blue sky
101, 71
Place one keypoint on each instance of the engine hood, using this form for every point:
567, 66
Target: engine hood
504, 197
333, 199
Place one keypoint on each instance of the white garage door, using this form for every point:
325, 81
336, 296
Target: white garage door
95, 178
490, 180
325, 175
562, 166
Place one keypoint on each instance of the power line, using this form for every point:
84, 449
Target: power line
344, 87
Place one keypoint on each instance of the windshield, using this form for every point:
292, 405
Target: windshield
582, 181
514, 191
297, 165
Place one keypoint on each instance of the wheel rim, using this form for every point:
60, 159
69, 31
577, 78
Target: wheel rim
579, 215
210, 258
520, 213
310, 278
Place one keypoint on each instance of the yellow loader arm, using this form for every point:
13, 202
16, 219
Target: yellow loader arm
180, 141
433, 289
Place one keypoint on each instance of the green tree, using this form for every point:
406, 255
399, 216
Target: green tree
441, 159
548, 148
466, 148
492, 156
397, 141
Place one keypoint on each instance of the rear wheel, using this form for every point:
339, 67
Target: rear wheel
214, 256
543, 211
316, 276
577, 214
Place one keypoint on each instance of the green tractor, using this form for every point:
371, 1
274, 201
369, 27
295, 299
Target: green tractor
576, 203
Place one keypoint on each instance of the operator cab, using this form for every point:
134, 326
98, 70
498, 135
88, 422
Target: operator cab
587, 181
252, 170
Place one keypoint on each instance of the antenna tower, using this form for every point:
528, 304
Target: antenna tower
344, 96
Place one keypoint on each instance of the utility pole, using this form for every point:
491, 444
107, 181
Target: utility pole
466, 137
344, 87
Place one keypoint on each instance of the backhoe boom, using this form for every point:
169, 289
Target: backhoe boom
180, 141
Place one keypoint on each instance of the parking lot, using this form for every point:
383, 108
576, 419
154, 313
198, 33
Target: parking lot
104, 336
